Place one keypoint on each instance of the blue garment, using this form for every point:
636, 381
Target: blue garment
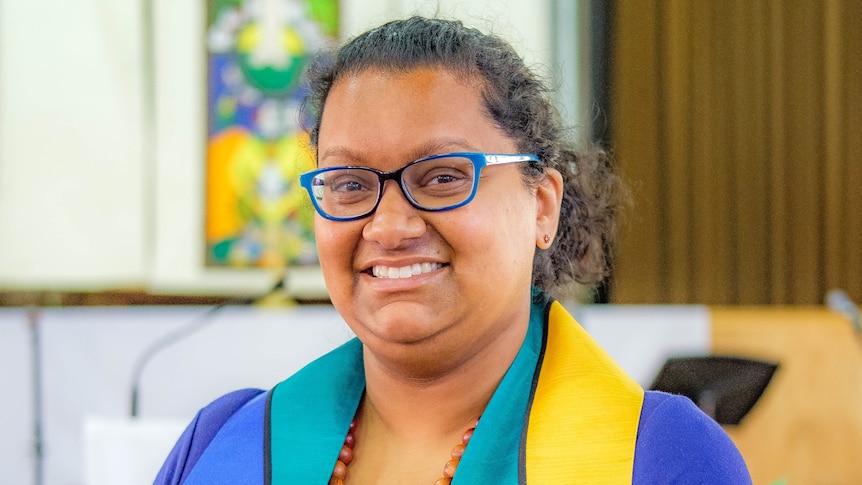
676, 442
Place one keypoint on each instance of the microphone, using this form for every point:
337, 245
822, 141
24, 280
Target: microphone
839, 301
178, 334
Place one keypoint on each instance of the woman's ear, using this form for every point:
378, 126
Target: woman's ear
549, 198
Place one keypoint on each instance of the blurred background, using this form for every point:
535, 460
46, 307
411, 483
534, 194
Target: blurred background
738, 124
148, 154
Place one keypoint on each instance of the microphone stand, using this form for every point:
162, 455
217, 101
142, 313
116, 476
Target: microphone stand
839, 301
176, 335
165, 341
33, 318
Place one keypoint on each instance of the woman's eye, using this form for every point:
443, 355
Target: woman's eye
349, 182
443, 178
347, 186
440, 176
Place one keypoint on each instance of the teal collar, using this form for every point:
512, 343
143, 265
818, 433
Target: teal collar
308, 415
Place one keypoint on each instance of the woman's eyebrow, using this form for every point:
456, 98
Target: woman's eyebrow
442, 145
432, 147
339, 151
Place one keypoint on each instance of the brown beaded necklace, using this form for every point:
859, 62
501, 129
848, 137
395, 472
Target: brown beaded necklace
339, 473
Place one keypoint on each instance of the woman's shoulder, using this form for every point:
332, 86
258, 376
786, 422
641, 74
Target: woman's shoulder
225, 406
678, 443
200, 433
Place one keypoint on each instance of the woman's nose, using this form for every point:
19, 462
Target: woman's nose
395, 220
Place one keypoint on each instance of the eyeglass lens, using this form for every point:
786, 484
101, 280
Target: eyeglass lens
437, 183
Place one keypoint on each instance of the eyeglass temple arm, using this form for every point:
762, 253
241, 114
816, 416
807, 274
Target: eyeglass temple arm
498, 159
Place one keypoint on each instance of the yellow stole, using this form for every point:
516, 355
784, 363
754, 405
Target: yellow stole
584, 417
582, 425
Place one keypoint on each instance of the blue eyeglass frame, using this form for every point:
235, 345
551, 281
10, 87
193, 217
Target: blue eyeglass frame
480, 160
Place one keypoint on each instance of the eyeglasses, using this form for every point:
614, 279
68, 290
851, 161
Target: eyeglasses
435, 183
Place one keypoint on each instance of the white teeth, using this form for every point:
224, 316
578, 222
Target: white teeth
380, 271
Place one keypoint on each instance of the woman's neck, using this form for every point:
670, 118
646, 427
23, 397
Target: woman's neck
419, 401
448, 392
406, 427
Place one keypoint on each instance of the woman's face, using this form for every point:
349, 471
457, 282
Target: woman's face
474, 289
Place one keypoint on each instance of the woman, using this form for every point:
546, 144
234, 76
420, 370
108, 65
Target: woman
449, 209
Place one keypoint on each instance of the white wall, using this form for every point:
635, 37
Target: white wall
71, 201
87, 199
87, 361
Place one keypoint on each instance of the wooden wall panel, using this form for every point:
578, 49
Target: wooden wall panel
738, 126
706, 203
751, 178
776, 222
638, 95
674, 148
849, 46
804, 189
718, 249
834, 213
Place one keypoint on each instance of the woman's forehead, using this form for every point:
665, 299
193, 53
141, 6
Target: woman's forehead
427, 95
432, 73
409, 115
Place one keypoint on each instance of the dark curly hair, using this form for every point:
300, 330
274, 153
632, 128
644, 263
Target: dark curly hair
519, 103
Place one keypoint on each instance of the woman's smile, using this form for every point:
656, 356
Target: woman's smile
401, 272
397, 277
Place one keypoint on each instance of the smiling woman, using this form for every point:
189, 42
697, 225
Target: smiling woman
449, 211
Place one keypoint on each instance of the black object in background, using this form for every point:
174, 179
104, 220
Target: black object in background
725, 388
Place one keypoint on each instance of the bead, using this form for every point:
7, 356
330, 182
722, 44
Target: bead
449, 469
346, 455
458, 451
340, 470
